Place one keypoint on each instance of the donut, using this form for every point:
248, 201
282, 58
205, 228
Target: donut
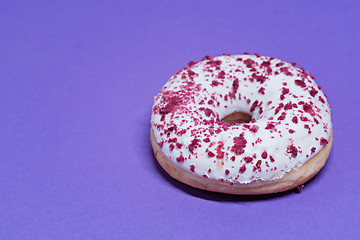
241, 124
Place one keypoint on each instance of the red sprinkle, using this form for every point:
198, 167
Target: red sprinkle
323, 141
288, 106
254, 129
254, 105
262, 90
191, 63
258, 163
286, 71
221, 74
249, 63
300, 83
248, 159
214, 83
285, 91
239, 144
209, 112
259, 78
308, 108
242, 169
293, 150
270, 126
304, 119
211, 154
294, 119
280, 106
172, 103
219, 153
313, 92
235, 85
313, 150
194, 144
282, 116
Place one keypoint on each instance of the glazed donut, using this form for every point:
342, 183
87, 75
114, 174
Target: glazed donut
241, 124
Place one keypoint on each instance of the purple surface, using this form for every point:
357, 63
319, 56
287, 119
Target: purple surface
76, 87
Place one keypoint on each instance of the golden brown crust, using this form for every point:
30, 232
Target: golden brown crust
237, 117
290, 180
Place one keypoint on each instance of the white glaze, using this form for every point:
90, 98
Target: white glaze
190, 90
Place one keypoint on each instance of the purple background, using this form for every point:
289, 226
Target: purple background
76, 87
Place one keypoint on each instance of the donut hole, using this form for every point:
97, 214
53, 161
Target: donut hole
237, 117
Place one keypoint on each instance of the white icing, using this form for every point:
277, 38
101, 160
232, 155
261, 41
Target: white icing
179, 104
